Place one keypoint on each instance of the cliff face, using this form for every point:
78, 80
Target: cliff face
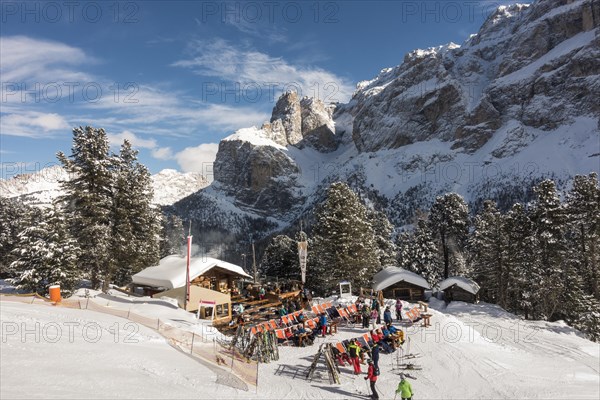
534, 64
517, 102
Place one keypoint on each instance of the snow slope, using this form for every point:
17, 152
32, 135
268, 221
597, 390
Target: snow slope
469, 352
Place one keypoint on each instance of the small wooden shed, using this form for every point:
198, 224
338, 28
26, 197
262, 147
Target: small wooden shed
459, 288
398, 283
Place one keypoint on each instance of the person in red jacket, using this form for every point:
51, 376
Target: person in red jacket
372, 377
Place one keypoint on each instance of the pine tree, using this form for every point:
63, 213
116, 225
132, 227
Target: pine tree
417, 252
488, 248
383, 229
549, 220
524, 291
280, 259
579, 305
448, 219
14, 218
583, 211
88, 199
135, 222
172, 235
344, 244
46, 255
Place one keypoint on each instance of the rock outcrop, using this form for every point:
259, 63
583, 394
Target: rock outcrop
535, 64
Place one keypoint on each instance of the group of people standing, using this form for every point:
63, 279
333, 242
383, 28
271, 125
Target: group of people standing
386, 338
371, 313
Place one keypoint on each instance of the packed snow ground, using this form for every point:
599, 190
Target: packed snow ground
469, 352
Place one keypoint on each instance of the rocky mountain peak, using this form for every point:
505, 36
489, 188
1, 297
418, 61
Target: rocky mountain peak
301, 122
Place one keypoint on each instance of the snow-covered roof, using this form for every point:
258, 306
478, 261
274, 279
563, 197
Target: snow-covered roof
391, 275
460, 281
171, 270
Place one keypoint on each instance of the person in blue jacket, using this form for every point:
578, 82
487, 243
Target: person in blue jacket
323, 322
387, 316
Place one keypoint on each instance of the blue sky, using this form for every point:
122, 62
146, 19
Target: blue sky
176, 77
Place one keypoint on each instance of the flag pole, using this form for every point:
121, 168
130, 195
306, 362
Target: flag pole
187, 270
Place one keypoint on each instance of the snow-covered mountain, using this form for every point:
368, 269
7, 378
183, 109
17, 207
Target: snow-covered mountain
170, 185
515, 103
41, 188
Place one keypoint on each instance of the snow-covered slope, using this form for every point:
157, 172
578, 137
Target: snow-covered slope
41, 188
470, 352
171, 186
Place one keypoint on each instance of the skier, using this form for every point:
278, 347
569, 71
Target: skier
323, 322
354, 353
261, 293
387, 316
399, 309
372, 377
404, 388
375, 354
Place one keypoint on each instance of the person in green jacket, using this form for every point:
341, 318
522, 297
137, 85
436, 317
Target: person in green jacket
404, 388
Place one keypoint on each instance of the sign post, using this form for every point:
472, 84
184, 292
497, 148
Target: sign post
187, 270
303, 255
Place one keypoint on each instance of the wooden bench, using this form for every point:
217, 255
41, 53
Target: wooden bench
332, 328
426, 319
254, 303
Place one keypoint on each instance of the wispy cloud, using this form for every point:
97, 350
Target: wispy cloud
270, 32
25, 59
220, 59
147, 109
33, 124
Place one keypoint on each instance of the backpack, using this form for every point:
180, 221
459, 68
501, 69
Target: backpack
376, 371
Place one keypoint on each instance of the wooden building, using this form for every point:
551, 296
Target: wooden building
211, 280
398, 283
459, 288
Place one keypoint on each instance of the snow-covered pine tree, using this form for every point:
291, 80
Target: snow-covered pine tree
14, 218
449, 222
172, 235
520, 258
383, 229
344, 243
46, 254
88, 199
583, 210
549, 219
280, 259
488, 249
579, 307
135, 221
417, 252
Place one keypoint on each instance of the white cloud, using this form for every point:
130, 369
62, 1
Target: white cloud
153, 106
163, 153
217, 58
198, 159
33, 124
136, 141
26, 59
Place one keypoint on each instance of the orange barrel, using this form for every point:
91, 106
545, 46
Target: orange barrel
54, 291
